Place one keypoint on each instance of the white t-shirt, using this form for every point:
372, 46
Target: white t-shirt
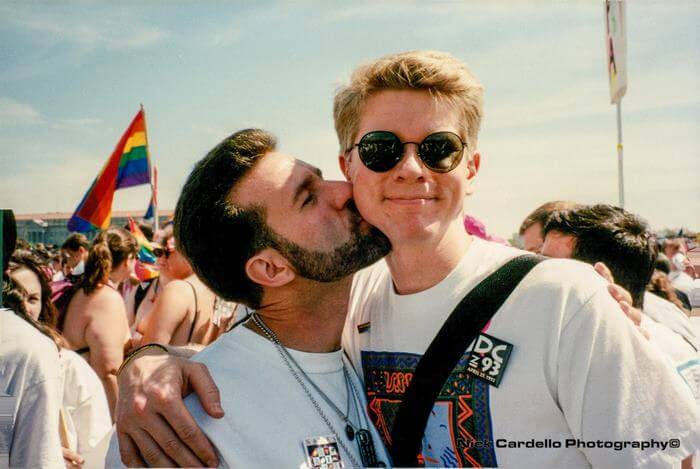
579, 370
668, 314
30, 396
85, 409
268, 415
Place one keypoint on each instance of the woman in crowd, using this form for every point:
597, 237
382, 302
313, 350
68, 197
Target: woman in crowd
94, 323
171, 265
85, 412
184, 311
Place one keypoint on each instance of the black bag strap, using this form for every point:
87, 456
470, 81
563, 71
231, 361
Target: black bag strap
459, 330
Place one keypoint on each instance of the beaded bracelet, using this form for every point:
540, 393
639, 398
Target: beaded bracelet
133, 354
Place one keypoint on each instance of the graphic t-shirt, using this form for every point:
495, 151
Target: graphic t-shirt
580, 380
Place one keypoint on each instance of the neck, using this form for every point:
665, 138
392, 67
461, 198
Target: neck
311, 321
415, 267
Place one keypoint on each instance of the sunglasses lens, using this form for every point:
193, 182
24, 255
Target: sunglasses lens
380, 151
441, 151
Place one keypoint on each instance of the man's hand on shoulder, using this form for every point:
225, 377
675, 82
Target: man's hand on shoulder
153, 425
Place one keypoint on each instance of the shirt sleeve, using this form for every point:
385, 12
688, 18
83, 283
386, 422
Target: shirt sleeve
35, 442
624, 404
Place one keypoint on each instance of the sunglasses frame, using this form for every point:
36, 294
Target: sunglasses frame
397, 158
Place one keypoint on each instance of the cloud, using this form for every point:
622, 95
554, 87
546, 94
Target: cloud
13, 112
89, 32
77, 124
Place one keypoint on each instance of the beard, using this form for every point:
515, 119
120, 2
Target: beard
362, 250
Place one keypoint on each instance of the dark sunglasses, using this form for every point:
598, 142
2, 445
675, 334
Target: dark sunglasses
381, 150
159, 252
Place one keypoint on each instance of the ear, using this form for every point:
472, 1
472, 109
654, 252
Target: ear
269, 269
344, 163
472, 169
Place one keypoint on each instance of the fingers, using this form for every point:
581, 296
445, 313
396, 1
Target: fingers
129, 452
171, 443
620, 294
72, 459
634, 314
604, 272
181, 421
203, 385
150, 451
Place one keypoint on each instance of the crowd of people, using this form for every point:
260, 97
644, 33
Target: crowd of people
86, 298
300, 321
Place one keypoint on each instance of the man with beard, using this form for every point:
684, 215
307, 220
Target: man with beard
266, 230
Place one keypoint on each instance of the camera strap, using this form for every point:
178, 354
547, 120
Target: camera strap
460, 329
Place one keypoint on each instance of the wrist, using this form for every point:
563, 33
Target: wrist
143, 351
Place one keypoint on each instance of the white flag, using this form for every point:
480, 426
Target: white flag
616, 45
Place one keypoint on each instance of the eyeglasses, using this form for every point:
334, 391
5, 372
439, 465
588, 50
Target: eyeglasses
381, 150
159, 252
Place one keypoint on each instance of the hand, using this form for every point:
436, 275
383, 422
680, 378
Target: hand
153, 425
72, 459
623, 298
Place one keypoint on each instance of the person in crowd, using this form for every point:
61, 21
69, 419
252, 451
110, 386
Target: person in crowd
661, 286
407, 125
532, 228
171, 265
75, 250
623, 242
286, 244
183, 313
682, 271
85, 411
30, 381
94, 322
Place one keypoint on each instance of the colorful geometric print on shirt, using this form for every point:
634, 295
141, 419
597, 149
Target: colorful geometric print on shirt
460, 418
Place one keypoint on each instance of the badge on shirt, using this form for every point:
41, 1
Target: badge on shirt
322, 453
489, 358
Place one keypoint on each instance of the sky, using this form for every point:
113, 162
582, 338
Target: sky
73, 74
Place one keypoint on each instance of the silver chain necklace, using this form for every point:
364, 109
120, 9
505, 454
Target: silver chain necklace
287, 357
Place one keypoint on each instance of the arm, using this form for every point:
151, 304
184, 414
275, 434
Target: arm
105, 335
168, 313
153, 424
601, 353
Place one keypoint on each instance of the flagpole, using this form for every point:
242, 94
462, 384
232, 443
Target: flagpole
150, 170
620, 174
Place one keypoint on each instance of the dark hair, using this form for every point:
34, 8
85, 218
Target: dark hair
25, 259
109, 249
611, 235
215, 235
13, 295
661, 286
542, 213
76, 241
9, 237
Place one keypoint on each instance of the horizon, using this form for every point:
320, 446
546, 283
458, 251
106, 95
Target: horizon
75, 74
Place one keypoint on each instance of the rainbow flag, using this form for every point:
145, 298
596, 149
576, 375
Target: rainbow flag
145, 268
128, 166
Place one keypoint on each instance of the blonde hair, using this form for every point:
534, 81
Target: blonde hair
441, 74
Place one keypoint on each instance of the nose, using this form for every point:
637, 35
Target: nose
340, 193
410, 168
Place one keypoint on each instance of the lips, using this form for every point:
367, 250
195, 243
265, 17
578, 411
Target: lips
410, 200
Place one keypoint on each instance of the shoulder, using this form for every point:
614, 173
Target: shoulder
177, 287
26, 350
